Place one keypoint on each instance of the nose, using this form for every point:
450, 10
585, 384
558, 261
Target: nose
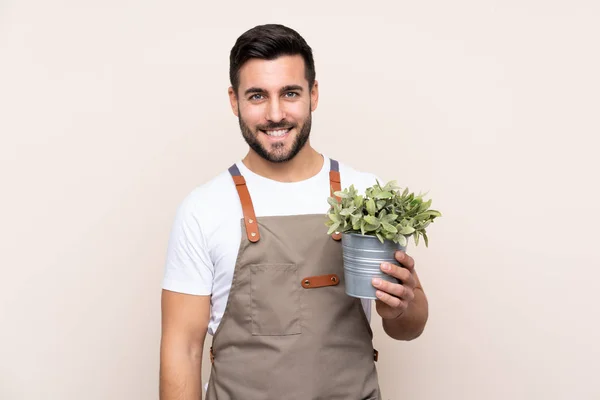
275, 112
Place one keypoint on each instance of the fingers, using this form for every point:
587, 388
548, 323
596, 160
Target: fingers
388, 299
405, 260
389, 289
396, 295
404, 275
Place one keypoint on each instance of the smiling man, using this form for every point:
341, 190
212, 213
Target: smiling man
243, 242
274, 116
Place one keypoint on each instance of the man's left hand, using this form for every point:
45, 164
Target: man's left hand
393, 299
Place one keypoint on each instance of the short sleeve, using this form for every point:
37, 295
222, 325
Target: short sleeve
188, 266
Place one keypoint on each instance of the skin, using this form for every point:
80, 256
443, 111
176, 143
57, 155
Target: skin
274, 94
184, 327
403, 307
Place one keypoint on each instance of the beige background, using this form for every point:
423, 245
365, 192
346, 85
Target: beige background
112, 111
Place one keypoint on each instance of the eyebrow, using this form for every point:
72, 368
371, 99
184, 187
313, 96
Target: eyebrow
286, 88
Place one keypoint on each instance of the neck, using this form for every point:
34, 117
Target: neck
307, 163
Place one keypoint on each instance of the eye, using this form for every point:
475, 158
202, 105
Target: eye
256, 96
291, 94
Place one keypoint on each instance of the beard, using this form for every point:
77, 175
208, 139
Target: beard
276, 152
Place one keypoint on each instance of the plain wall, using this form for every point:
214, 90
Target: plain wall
112, 111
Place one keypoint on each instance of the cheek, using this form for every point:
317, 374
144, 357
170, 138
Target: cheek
297, 111
251, 115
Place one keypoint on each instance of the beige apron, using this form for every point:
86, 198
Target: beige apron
289, 331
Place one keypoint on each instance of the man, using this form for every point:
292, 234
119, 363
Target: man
242, 244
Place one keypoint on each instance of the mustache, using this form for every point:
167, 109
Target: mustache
274, 126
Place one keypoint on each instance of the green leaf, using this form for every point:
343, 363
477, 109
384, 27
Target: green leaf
381, 204
371, 207
391, 185
358, 201
402, 240
371, 220
334, 218
333, 228
370, 228
416, 238
332, 201
380, 237
388, 227
347, 211
383, 195
341, 194
424, 206
390, 218
407, 230
428, 214
356, 219
426, 239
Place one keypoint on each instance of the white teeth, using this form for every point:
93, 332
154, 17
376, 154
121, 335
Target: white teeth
277, 133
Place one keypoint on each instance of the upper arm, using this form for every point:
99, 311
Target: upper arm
184, 322
188, 280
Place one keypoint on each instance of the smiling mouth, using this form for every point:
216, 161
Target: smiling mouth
276, 132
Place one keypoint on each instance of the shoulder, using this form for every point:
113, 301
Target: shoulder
361, 179
206, 199
189, 266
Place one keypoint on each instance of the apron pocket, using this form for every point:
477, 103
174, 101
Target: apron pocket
275, 299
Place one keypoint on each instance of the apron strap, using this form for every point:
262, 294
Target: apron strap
335, 184
247, 207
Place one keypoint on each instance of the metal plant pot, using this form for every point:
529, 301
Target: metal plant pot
363, 256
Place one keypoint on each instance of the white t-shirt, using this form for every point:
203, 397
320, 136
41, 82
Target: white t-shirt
206, 232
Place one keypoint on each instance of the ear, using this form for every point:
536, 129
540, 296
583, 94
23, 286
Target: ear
314, 96
233, 101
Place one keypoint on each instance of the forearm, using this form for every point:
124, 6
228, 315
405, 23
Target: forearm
412, 322
180, 374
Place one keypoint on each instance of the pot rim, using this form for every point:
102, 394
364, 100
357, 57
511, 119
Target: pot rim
372, 239
367, 235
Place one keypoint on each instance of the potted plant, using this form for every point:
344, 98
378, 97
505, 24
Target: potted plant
372, 227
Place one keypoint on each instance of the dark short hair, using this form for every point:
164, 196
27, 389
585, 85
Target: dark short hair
268, 42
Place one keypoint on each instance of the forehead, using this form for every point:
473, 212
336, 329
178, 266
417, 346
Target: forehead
273, 74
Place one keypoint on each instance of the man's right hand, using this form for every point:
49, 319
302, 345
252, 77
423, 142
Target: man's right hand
184, 325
